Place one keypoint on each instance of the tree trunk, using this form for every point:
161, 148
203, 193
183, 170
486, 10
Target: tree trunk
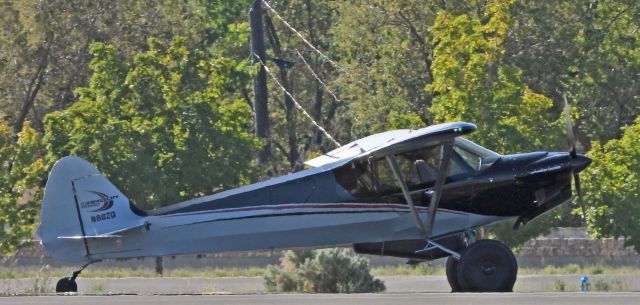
291, 121
31, 92
159, 266
292, 155
317, 115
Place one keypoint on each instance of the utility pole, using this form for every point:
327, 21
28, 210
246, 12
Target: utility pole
260, 106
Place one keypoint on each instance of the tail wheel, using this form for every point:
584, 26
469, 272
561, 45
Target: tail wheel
487, 266
452, 274
66, 284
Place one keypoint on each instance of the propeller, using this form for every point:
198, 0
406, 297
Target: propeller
572, 152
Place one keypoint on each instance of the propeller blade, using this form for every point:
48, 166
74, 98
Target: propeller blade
570, 136
576, 180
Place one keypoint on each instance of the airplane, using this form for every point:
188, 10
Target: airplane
419, 194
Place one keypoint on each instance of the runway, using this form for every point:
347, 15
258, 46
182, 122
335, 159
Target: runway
351, 299
255, 285
250, 290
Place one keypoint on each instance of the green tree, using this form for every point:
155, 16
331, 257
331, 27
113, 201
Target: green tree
612, 185
21, 171
386, 55
473, 83
45, 44
166, 126
586, 49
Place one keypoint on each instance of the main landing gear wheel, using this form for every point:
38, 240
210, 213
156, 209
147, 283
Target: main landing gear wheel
452, 274
66, 285
487, 266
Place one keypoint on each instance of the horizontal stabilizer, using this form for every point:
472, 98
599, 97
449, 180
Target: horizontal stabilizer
108, 234
89, 237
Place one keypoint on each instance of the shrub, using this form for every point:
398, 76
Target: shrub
610, 285
322, 271
559, 285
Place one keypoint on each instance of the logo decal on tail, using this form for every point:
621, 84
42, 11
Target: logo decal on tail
103, 203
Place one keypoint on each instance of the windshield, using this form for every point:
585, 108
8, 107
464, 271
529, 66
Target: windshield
476, 156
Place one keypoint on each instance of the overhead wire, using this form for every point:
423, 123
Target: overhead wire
310, 45
295, 102
325, 57
317, 77
322, 55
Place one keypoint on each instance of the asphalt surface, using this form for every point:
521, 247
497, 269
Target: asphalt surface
530, 289
255, 285
351, 299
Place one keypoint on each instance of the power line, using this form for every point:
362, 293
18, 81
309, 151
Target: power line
295, 102
300, 35
325, 57
316, 76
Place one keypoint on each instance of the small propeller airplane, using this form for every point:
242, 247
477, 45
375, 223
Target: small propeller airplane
418, 194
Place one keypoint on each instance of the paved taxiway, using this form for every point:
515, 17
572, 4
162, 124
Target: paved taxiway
255, 285
350, 299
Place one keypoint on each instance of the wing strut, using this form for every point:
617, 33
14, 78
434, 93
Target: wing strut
426, 229
445, 160
405, 191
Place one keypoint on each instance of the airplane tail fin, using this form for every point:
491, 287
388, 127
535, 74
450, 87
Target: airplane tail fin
81, 205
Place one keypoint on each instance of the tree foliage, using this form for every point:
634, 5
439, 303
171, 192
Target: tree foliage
587, 50
167, 126
45, 50
613, 187
21, 171
473, 83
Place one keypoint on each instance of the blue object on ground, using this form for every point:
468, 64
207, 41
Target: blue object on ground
584, 283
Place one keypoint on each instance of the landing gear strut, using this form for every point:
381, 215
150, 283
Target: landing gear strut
68, 284
484, 266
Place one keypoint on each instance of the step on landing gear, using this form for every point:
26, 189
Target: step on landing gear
484, 266
68, 284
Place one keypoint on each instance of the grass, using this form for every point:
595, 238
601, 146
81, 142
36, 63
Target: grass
610, 285
96, 272
559, 285
97, 288
575, 269
421, 269
42, 282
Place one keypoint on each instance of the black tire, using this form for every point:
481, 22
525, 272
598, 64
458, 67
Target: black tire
487, 266
452, 274
65, 285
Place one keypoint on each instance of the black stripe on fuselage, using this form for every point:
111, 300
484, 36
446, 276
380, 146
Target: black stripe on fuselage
287, 214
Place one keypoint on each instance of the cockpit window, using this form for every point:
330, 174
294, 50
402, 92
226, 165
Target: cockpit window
419, 168
474, 155
474, 161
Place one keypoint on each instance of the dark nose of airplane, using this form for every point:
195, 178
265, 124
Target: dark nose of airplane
580, 162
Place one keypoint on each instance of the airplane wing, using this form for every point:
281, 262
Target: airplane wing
390, 142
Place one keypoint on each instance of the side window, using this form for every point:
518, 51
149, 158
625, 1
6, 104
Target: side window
419, 168
458, 166
367, 178
474, 161
426, 163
